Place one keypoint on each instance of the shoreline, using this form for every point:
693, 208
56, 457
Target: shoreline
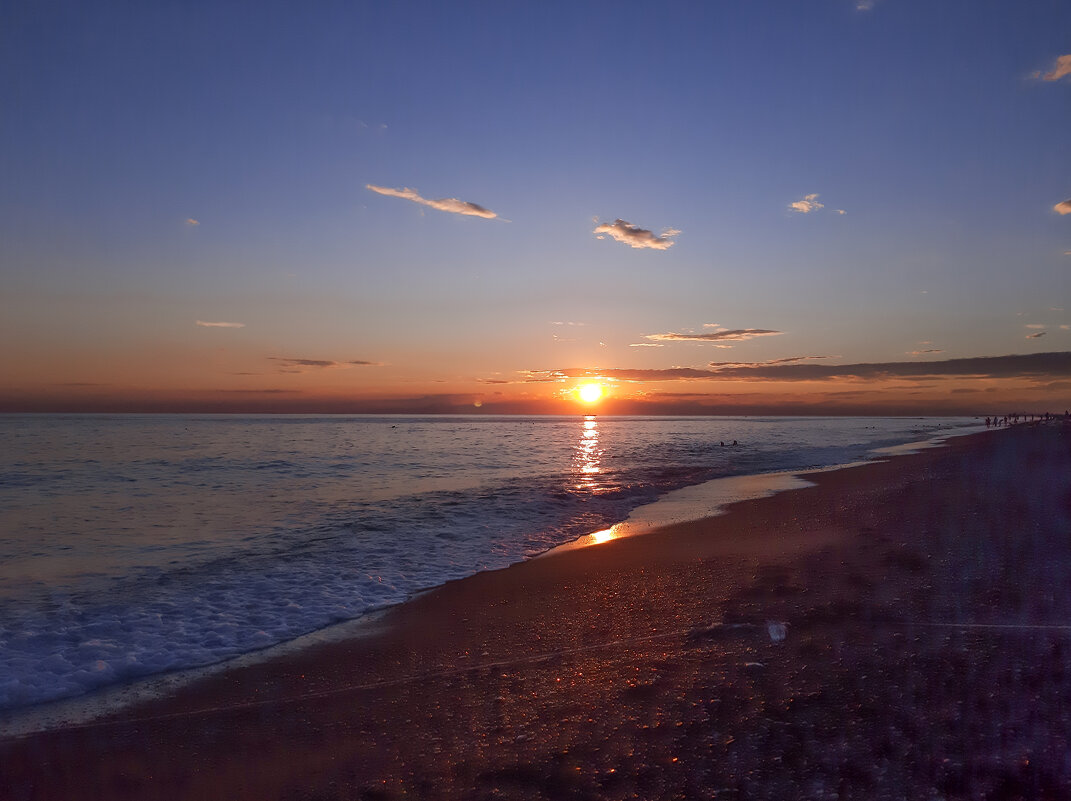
689, 504
645, 666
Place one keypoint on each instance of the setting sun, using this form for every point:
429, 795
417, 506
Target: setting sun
589, 393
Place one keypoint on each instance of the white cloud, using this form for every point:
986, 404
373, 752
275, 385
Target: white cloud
807, 205
864, 5
1063, 207
636, 237
647, 345
204, 324
451, 204
1060, 69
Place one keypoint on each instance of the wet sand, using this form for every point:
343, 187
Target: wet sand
926, 654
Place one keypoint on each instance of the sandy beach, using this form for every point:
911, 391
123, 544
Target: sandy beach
900, 630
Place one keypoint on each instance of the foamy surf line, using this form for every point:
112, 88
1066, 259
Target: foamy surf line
689, 503
82, 709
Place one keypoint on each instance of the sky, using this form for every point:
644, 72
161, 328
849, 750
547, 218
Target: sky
739, 207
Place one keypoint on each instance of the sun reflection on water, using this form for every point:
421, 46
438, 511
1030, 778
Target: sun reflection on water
599, 537
587, 456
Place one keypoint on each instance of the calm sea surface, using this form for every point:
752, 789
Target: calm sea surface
132, 545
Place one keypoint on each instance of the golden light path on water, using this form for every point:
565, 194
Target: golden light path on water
588, 455
696, 502
587, 466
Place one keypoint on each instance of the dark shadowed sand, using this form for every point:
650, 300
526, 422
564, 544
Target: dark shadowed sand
926, 655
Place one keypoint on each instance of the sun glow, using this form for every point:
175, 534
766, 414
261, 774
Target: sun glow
590, 393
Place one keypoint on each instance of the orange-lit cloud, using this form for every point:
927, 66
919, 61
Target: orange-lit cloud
722, 335
1060, 69
924, 351
807, 205
304, 365
204, 324
647, 345
636, 237
1038, 335
192, 221
1063, 207
451, 204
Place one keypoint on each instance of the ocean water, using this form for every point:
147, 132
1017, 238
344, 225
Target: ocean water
133, 545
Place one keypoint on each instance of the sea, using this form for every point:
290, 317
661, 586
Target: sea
138, 545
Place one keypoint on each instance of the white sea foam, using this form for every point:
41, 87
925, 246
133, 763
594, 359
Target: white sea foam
138, 546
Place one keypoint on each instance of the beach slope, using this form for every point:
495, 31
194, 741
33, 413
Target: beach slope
900, 630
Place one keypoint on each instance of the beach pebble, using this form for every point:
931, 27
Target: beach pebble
777, 630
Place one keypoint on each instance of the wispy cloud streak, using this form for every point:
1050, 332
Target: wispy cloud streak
205, 324
787, 360
1012, 366
288, 365
1061, 69
636, 237
722, 335
450, 204
1032, 365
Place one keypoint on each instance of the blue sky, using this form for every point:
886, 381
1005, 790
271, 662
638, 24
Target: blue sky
175, 162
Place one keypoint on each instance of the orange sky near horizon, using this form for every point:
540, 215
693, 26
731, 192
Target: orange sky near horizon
346, 389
